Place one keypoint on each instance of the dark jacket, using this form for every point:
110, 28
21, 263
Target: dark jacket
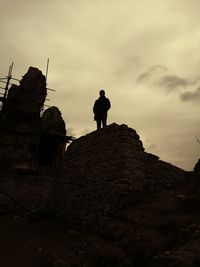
101, 105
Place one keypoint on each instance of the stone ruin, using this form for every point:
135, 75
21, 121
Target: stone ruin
98, 175
53, 137
107, 171
104, 181
24, 134
31, 146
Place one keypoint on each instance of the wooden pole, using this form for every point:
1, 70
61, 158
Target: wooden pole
8, 80
47, 69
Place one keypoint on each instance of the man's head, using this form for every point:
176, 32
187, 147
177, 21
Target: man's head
102, 93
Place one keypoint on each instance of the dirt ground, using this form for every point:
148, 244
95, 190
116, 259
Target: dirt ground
47, 242
162, 223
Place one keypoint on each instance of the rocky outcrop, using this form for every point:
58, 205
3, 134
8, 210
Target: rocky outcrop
107, 171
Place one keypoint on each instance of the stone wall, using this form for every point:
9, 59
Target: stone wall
107, 171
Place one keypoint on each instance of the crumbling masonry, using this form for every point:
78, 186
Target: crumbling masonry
22, 130
99, 175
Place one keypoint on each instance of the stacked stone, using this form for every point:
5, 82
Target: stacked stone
20, 122
53, 138
21, 110
106, 171
52, 122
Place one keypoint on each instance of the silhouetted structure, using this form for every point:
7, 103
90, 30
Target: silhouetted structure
106, 171
5, 83
101, 106
53, 137
26, 139
138, 203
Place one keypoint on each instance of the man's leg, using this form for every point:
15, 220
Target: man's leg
98, 123
104, 119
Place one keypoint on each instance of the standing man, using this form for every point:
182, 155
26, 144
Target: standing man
101, 106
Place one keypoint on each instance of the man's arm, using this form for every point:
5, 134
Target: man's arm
108, 104
95, 107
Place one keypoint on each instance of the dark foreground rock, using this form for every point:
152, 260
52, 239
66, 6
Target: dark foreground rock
162, 230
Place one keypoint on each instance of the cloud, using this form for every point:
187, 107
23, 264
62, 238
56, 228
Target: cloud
149, 74
144, 76
191, 96
169, 82
173, 82
158, 67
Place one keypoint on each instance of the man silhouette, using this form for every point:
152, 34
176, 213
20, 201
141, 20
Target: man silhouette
101, 106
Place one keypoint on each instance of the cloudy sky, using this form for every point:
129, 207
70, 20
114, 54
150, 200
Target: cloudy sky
145, 54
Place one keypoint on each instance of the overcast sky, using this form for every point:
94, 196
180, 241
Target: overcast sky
145, 54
